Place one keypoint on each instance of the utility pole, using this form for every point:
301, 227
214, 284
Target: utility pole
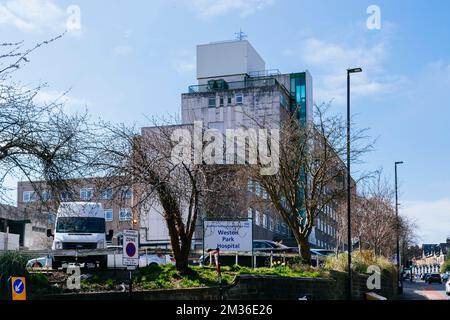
349, 229
399, 276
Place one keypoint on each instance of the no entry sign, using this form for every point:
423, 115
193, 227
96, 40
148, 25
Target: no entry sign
130, 248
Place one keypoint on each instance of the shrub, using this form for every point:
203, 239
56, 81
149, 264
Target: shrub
12, 263
361, 260
38, 280
446, 266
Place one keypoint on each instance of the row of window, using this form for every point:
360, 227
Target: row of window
330, 212
269, 223
238, 98
85, 194
124, 214
258, 189
324, 245
325, 227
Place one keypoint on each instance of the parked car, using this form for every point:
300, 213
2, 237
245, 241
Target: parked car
434, 277
268, 246
444, 277
424, 276
42, 262
447, 287
155, 259
115, 258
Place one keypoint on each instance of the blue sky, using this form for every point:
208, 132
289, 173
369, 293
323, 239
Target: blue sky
135, 59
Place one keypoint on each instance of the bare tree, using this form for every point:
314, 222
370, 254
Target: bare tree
38, 141
374, 224
311, 173
147, 162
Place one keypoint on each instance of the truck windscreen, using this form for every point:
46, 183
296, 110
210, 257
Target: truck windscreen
80, 225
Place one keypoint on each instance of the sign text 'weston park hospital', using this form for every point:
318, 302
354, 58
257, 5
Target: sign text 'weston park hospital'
228, 235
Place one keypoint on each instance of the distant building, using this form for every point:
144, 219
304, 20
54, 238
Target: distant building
433, 257
234, 88
40, 204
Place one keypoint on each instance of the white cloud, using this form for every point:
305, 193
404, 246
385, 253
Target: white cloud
432, 218
328, 62
183, 61
213, 8
70, 103
32, 15
122, 50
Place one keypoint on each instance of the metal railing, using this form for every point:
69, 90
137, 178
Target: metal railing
235, 85
264, 73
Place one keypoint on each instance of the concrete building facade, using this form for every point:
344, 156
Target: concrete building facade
233, 91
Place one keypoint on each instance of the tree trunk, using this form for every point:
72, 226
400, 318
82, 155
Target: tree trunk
182, 262
304, 250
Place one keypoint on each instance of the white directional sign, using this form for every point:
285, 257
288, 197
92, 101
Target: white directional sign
130, 248
228, 235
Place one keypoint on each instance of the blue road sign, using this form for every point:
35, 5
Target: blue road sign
131, 249
18, 286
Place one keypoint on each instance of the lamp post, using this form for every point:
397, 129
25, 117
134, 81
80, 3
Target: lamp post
399, 276
349, 234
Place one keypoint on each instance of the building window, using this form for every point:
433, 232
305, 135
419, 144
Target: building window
86, 193
125, 214
265, 222
108, 215
229, 100
282, 100
257, 218
29, 196
38, 229
126, 193
66, 196
239, 98
212, 102
46, 196
257, 189
107, 194
249, 213
250, 185
221, 101
271, 224
264, 194
51, 218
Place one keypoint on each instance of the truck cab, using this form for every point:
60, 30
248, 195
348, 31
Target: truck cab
79, 225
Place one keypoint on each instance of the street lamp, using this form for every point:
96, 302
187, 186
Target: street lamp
399, 276
349, 232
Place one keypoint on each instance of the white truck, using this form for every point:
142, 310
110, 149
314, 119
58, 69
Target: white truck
79, 225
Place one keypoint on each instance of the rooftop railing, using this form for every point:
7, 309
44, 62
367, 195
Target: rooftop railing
235, 85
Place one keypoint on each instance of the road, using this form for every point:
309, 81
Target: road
419, 290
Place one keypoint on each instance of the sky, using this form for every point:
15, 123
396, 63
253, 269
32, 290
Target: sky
124, 61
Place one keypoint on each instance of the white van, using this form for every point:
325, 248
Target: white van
79, 225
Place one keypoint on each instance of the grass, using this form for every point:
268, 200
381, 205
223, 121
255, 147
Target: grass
167, 277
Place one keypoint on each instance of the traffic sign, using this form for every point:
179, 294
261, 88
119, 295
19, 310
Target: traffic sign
18, 288
130, 248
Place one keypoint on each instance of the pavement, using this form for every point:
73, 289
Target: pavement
419, 290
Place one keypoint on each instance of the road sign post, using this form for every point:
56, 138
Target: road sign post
130, 256
18, 288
